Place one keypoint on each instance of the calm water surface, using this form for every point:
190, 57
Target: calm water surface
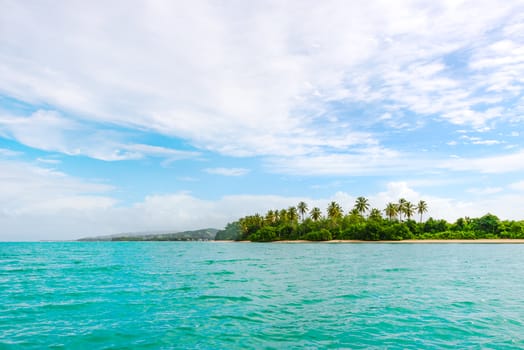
260, 296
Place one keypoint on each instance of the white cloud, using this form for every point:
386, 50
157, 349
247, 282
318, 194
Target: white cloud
249, 80
517, 186
377, 161
485, 191
497, 164
486, 142
187, 178
43, 129
50, 131
9, 153
25, 187
470, 138
436, 180
40, 203
48, 161
227, 171
475, 140
368, 161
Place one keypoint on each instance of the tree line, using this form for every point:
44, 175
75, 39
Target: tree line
362, 222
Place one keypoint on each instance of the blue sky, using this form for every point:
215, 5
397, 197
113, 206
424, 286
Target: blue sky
181, 115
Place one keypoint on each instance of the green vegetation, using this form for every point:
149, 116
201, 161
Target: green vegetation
365, 223
230, 233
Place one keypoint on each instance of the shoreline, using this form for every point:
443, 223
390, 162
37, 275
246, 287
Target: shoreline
409, 241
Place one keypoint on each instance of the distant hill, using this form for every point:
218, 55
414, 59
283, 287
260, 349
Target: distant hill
207, 234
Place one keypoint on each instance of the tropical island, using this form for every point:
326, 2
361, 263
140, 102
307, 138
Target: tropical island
364, 223
396, 222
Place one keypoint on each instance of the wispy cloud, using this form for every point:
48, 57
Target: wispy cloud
187, 178
387, 162
517, 186
227, 171
366, 161
485, 191
51, 131
48, 161
497, 164
9, 153
486, 142
475, 140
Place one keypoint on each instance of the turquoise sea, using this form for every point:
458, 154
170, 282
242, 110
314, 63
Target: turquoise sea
164, 295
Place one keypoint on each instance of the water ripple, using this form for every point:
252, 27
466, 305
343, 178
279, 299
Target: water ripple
260, 296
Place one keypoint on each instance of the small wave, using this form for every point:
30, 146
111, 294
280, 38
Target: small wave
224, 297
221, 273
397, 269
227, 261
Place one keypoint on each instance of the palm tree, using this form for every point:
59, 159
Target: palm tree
315, 214
375, 214
361, 205
251, 224
258, 219
409, 210
355, 212
302, 209
270, 217
422, 207
334, 211
400, 208
391, 210
276, 214
283, 215
292, 214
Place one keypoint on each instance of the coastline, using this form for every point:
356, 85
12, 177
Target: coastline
413, 241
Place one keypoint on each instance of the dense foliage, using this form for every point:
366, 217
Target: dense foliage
363, 223
229, 233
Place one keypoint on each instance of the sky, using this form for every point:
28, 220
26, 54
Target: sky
128, 116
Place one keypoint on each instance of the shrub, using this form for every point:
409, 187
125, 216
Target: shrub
322, 235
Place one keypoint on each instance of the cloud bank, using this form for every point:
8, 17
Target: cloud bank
264, 79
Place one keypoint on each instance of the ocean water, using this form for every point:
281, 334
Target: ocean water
165, 295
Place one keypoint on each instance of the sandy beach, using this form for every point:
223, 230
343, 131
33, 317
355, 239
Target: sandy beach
417, 241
